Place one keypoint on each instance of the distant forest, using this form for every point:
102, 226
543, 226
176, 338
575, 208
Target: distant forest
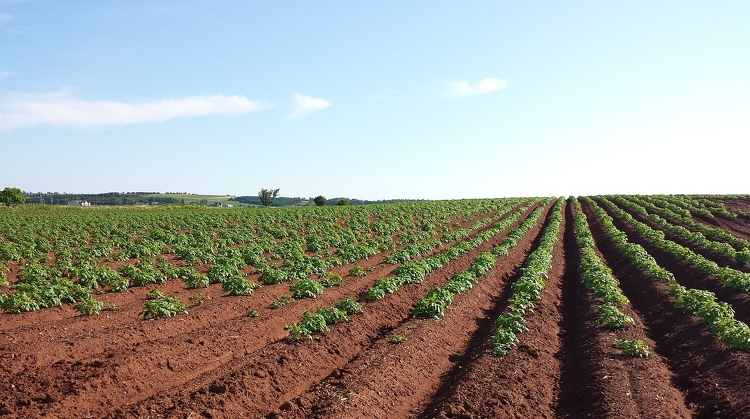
151, 198
109, 198
281, 201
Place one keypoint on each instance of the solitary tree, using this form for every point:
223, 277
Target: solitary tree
343, 201
9, 196
320, 201
267, 195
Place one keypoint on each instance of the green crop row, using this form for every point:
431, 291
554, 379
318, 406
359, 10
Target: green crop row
436, 300
528, 287
718, 316
696, 205
738, 243
318, 321
53, 248
714, 207
597, 277
696, 238
415, 272
731, 278
632, 251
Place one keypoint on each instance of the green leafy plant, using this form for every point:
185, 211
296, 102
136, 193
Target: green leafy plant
332, 315
3, 273
349, 306
502, 341
613, 318
331, 279
272, 275
282, 301
237, 285
306, 288
380, 288
513, 322
198, 299
633, 347
222, 271
155, 294
297, 331
253, 313
357, 270
162, 306
433, 303
20, 301
89, 306
397, 339
192, 278
310, 323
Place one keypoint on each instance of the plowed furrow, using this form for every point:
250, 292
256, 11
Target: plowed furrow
523, 382
397, 380
719, 259
344, 342
597, 380
688, 275
118, 375
714, 380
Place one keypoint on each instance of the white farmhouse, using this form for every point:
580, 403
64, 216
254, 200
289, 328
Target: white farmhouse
79, 203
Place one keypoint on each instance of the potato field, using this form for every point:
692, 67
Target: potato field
603, 306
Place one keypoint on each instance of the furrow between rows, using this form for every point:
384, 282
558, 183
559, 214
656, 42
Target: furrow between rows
712, 378
280, 371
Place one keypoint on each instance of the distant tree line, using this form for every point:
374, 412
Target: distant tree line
139, 198
281, 201
109, 198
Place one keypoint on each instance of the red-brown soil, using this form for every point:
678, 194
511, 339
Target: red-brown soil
216, 362
713, 380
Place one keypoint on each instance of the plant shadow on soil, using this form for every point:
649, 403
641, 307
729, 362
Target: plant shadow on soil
713, 379
479, 342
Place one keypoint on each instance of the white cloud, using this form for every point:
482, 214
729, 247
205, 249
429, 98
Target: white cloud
4, 74
305, 105
462, 88
20, 110
5, 16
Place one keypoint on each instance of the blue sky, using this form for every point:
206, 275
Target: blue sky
375, 100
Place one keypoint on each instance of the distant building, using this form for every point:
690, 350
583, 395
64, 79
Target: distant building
79, 203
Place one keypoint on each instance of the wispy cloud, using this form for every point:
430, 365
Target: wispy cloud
4, 74
20, 110
5, 16
305, 105
462, 88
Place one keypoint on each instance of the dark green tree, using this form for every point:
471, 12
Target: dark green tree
10, 196
266, 196
343, 201
320, 201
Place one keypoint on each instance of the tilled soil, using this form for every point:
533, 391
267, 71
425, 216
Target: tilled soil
216, 362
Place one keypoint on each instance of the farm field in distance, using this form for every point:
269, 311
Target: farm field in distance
601, 306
